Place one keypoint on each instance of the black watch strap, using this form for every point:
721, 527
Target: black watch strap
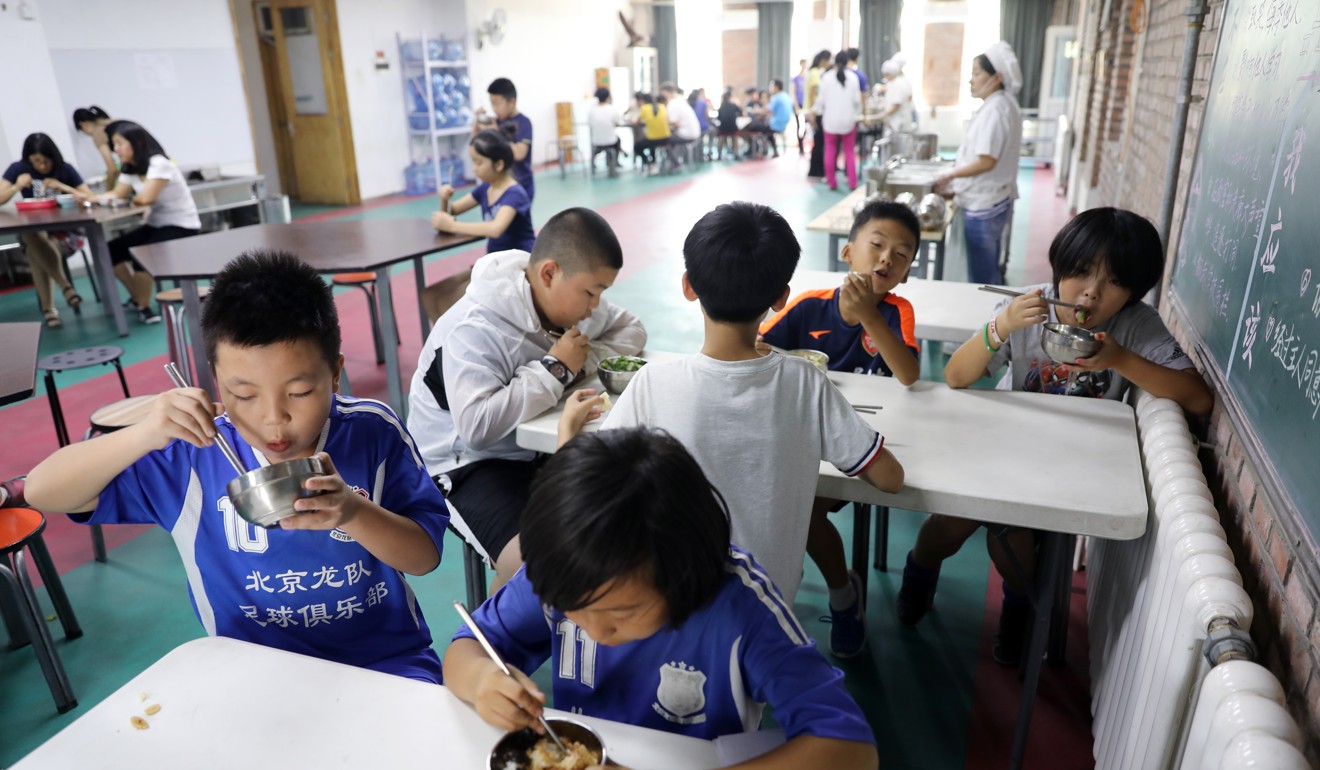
557, 369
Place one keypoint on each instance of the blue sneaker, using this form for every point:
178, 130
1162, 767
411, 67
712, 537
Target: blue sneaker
848, 626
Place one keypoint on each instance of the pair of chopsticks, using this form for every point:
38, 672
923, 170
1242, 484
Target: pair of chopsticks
1052, 301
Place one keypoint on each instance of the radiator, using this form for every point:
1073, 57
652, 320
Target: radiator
1152, 604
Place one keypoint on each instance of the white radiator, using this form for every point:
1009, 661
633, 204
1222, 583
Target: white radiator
1151, 605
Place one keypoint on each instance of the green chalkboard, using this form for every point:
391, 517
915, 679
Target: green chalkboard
1247, 277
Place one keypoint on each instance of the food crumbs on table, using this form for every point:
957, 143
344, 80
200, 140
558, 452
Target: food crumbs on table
153, 709
139, 723
142, 697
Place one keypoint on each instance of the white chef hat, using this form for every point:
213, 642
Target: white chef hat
1005, 62
890, 67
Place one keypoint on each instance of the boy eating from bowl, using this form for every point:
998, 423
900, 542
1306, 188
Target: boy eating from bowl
648, 617
528, 326
1104, 260
328, 582
760, 425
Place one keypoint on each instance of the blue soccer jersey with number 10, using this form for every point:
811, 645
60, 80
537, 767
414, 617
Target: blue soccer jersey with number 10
315, 592
712, 677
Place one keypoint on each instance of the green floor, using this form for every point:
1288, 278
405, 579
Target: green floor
135, 608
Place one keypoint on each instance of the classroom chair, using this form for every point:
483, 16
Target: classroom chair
176, 328
566, 150
611, 153
367, 283
24, 619
79, 359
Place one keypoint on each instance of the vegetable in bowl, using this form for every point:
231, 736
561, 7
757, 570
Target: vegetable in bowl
623, 364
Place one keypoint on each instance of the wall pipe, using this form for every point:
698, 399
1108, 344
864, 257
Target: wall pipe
1195, 14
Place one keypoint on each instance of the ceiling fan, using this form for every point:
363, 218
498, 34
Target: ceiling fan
492, 29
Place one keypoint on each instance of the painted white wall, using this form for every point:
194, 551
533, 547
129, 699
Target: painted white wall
29, 97
700, 46
171, 66
550, 51
375, 97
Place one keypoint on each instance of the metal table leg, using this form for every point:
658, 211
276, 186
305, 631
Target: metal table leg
192, 307
419, 275
390, 334
861, 544
1053, 563
105, 271
835, 263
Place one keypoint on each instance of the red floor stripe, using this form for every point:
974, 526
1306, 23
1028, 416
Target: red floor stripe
1049, 213
1060, 734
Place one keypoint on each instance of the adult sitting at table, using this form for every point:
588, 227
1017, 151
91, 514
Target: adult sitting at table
984, 180
148, 178
43, 166
682, 120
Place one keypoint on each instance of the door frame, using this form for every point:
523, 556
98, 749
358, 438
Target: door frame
336, 91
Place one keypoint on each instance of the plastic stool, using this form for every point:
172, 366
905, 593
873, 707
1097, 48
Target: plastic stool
79, 359
367, 283
108, 419
20, 529
176, 327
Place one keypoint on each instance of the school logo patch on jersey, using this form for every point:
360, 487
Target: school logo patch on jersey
868, 344
681, 694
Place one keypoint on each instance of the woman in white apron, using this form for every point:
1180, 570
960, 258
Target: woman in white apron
983, 181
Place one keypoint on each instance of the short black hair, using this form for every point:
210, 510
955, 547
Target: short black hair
619, 503
143, 143
777, 83
822, 57
886, 210
739, 259
854, 54
580, 240
502, 87
89, 114
268, 297
1126, 242
495, 144
602, 95
42, 144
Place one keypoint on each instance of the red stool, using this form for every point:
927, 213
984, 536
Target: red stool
367, 283
20, 529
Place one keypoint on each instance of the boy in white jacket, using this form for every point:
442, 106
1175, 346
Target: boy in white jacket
528, 326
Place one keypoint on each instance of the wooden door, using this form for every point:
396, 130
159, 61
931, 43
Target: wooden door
311, 124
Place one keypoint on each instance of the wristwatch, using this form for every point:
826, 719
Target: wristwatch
557, 369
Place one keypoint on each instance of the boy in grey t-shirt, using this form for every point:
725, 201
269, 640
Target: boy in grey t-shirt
1104, 261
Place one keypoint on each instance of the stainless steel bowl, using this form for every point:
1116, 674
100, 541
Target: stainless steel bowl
818, 358
511, 750
613, 381
266, 495
1066, 344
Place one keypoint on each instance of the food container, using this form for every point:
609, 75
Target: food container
817, 358
612, 374
35, 204
66, 201
907, 199
1066, 344
266, 495
931, 212
510, 753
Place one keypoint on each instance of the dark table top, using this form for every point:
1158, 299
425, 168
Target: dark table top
18, 361
53, 218
331, 247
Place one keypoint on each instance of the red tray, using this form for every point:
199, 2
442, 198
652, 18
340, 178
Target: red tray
36, 204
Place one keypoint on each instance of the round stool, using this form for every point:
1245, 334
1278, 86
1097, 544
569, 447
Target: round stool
76, 359
120, 414
20, 533
367, 283
176, 326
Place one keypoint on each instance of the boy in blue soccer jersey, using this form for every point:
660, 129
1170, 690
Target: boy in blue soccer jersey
327, 582
648, 617
865, 329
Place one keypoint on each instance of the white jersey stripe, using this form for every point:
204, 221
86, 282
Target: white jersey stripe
772, 602
368, 406
185, 540
745, 559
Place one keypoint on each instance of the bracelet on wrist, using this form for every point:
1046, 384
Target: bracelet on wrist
985, 337
994, 334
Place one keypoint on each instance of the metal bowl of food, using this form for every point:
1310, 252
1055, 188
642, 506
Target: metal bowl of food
617, 371
266, 495
819, 359
525, 750
1066, 344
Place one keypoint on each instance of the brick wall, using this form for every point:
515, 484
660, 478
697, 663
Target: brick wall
739, 61
1130, 148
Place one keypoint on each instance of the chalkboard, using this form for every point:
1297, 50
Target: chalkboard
1247, 278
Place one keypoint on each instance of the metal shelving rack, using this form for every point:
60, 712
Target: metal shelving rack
409, 67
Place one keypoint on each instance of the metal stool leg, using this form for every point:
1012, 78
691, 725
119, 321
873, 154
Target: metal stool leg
375, 324
122, 381
91, 274
11, 613
98, 543
42, 644
474, 576
56, 412
54, 588
882, 540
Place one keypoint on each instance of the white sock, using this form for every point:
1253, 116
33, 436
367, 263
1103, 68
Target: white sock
843, 598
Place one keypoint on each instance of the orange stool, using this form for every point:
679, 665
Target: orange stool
20, 529
367, 283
